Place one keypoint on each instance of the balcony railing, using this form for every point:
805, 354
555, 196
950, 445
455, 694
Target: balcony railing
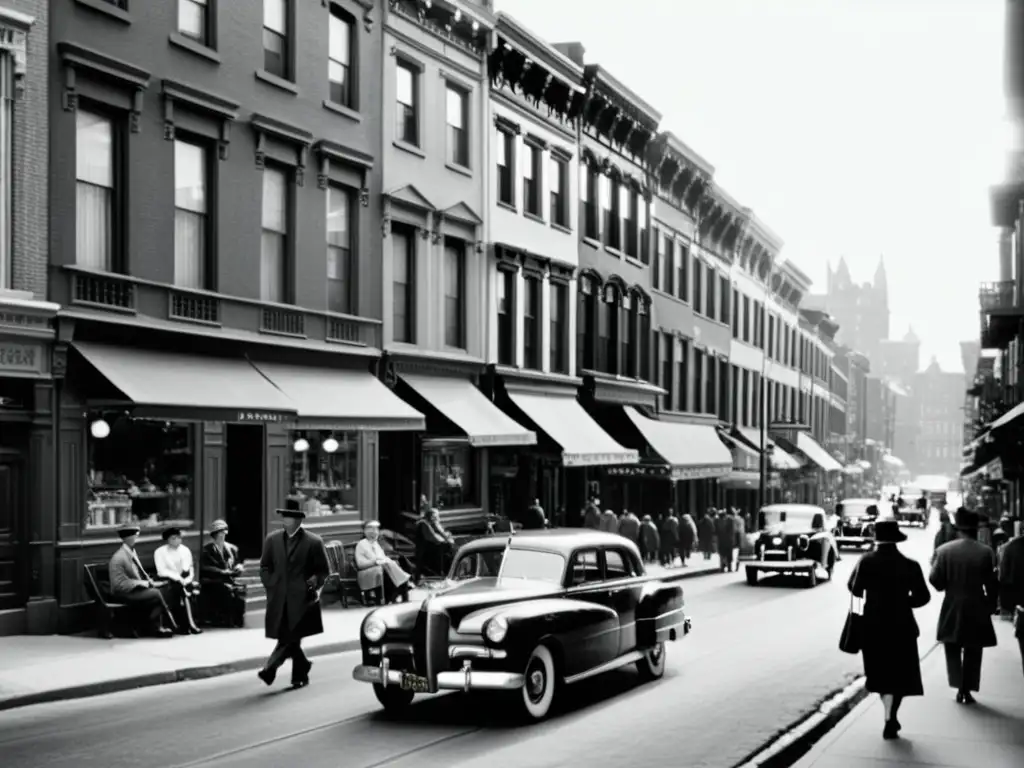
996, 296
134, 296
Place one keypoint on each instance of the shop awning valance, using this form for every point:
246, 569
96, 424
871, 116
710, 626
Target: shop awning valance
744, 458
583, 442
693, 451
459, 401
780, 459
184, 387
328, 398
810, 448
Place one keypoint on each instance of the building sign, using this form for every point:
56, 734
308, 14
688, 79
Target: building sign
596, 459
262, 417
699, 473
20, 358
21, 321
637, 471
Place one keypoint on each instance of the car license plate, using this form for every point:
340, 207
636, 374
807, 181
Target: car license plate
415, 683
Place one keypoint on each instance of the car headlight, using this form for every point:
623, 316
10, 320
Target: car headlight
374, 629
776, 541
496, 629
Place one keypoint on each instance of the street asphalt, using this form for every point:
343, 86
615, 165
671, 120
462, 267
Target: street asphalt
759, 658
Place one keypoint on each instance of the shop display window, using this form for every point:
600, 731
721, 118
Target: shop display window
447, 477
141, 471
325, 468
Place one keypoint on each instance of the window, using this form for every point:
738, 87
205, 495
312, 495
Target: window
641, 223
735, 400
682, 381
746, 318
698, 286
735, 314
407, 120
6, 166
559, 191
275, 37
458, 126
339, 58
590, 190
666, 348
454, 294
617, 565
608, 331
712, 285
683, 273
96, 191
191, 224
611, 205
403, 283
631, 344
274, 246
698, 381
136, 455
506, 168
447, 477
559, 328
506, 317
657, 278
193, 20
711, 384
631, 213
325, 475
586, 568
531, 323
339, 250
723, 390
586, 314
531, 181
724, 297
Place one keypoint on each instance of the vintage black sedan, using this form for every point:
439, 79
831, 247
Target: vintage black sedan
527, 614
856, 526
794, 540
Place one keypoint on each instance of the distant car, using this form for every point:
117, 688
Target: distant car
856, 526
548, 609
794, 539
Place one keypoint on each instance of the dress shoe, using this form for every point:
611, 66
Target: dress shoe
161, 632
300, 677
195, 631
968, 699
891, 730
267, 675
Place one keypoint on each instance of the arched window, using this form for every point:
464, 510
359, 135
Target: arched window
628, 341
608, 329
644, 366
586, 322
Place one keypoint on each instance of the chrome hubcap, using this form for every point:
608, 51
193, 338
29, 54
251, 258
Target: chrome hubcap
535, 682
655, 655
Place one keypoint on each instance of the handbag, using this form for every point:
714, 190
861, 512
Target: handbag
850, 641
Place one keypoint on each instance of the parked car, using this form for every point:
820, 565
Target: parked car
856, 526
545, 610
794, 539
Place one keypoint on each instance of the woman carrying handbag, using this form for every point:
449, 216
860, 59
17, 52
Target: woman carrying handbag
891, 586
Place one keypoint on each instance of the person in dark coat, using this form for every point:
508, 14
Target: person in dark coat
609, 522
222, 597
592, 514
945, 533
434, 546
725, 533
670, 530
629, 526
650, 541
535, 519
706, 534
1011, 584
893, 586
739, 532
293, 570
687, 537
965, 570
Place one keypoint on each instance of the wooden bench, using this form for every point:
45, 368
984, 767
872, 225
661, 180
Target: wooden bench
110, 613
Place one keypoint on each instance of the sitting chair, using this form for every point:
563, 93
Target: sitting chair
339, 579
110, 614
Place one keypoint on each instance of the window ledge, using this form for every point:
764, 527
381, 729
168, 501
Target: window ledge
635, 262
613, 251
277, 82
507, 206
410, 148
341, 109
107, 9
591, 241
457, 168
668, 295
534, 217
194, 46
561, 227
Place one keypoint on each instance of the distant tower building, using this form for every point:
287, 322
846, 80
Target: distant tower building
862, 310
900, 360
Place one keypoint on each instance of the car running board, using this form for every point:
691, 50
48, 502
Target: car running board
622, 661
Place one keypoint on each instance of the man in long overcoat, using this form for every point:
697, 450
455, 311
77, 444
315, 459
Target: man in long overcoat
706, 534
965, 570
293, 569
669, 538
629, 526
725, 531
1011, 583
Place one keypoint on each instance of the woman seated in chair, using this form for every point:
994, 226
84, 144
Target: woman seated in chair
375, 570
174, 565
220, 567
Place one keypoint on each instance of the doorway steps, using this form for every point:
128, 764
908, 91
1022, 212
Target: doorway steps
256, 598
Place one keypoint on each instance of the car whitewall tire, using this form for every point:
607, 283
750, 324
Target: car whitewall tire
652, 665
541, 680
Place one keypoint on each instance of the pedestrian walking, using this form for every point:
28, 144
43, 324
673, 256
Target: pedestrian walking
964, 569
670, 532
592, 514
629, 526
739, 533
892, 586
1011, 586
609, 522
946, 532
687, 537
293, 570
706, 534
725, 532
535, 518
650, 541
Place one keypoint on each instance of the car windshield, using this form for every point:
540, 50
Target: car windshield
783, 521
855, 509
477, 565
534, 565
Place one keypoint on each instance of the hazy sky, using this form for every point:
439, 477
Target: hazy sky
851, 127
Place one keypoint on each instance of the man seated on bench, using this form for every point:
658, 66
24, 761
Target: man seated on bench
131, 585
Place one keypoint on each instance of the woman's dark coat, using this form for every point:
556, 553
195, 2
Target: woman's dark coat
892, 586
965, 570
293, 607
670, 531
650, 541
706, 533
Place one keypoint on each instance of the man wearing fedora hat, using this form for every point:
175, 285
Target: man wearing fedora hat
965, 570
293, 569
131, 585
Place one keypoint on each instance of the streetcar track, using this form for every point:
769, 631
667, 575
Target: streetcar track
423, 747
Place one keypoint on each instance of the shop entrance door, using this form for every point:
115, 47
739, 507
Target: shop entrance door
13, 584
243, 490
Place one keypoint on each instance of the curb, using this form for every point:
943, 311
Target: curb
799, 738
214, 670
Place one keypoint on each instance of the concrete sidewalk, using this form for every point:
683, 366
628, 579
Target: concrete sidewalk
37, 669
938, 732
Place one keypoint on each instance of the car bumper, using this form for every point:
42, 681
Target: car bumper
783, 565
466, 679
856, 541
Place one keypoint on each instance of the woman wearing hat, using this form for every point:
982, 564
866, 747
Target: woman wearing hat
965, 569
223, 598
174, 565
892, 586
375, 569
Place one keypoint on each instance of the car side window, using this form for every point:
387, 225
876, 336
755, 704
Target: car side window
617, 565
585, 567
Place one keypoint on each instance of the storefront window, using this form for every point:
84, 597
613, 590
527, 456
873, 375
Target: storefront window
447, 476
140, 470
325, 468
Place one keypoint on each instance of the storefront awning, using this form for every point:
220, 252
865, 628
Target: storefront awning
328, 398
744, 457
463, 404
743, 480
583, 442
780, 459
175, 386
1010, 416
810, 448
693, 451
